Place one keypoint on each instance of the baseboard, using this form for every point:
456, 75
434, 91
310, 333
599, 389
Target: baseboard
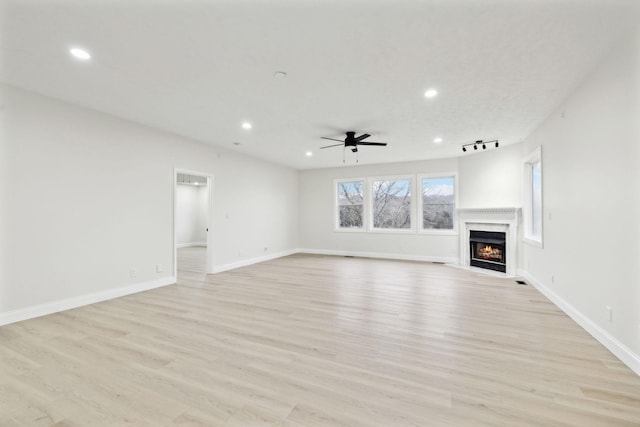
191, 245
402, 257
621, 351
246, 262
74, 302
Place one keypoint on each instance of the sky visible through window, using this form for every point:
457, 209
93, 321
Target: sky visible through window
442, 185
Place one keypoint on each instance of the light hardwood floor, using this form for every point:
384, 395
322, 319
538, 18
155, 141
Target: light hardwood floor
315, 341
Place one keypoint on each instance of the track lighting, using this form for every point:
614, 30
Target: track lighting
479, 143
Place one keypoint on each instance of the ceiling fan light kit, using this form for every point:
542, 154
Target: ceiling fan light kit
480, 143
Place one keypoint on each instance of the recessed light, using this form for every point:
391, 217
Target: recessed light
246, 125
309, 153
196, 183
280, 74
80, 53
437, 140
431, 93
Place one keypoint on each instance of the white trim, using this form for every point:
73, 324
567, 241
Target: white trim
82, 300
528, 241
420, 205
621, 351
527, 203
336, 212
191, 244
402, 257
246, 262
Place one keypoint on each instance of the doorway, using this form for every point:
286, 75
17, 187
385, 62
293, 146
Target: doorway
192, 222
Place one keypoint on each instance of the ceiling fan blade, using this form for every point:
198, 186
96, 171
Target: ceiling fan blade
380, 144
363, 136
332, 139
334, 145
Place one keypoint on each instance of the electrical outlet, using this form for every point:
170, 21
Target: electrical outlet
610, 314
133, 273
159, 268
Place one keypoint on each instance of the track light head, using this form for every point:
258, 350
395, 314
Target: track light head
464, 149
497, 144
475, 147
484, 147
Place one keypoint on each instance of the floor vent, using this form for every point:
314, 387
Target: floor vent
521, 282
348, 256
437, 262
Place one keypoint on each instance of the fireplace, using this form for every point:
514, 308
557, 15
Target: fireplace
503, 220
487, 249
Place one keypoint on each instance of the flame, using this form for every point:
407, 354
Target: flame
489, 251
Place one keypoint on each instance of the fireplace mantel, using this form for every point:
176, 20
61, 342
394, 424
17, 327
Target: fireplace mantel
504, 219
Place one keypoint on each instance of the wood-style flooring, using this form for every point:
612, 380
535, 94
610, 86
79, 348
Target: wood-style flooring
315, 341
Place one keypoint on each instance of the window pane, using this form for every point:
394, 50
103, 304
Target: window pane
392, 204
438, 203
350, 204
536, 200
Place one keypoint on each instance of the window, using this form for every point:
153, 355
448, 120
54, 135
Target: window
350, 205
533, 198
438, 202
391, 204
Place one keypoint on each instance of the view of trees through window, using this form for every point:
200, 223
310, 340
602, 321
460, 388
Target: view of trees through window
350, 204
438, 203
392, 204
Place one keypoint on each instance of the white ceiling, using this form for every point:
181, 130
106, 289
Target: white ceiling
201, 68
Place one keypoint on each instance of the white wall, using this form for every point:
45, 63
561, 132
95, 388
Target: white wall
590, 154
191, 215
492, 178
317, 215
91, 197
486, 179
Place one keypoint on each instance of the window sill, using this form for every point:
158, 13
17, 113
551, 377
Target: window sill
391, 231
532, 242
350, 230
439, 232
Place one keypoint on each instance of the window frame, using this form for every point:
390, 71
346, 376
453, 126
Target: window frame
420, 204
370, 202
527, 204
336, 207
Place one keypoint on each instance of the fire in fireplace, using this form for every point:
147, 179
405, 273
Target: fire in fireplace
488, 250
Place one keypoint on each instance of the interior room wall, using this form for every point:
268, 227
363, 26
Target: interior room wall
485, 179
191, 215
317, 232
591, 203
492, 178
93, 199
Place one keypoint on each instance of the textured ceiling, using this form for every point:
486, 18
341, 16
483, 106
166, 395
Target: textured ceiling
201, 68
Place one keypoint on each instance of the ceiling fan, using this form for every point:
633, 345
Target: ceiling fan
352, 141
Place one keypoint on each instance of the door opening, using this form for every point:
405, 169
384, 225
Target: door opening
192, 222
